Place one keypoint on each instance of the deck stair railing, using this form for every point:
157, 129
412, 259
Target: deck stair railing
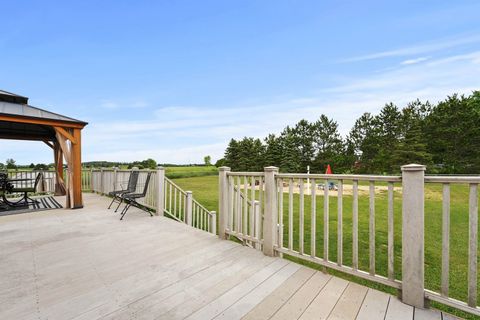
244, 211
296, 217
163, 196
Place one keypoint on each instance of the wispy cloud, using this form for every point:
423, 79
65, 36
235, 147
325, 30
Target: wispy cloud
414, 61
418, 49
113, 104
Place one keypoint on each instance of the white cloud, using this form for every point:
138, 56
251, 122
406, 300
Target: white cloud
417, 49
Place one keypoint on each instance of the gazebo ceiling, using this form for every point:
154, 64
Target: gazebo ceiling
26, 131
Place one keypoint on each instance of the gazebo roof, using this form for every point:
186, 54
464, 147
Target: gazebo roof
14, 105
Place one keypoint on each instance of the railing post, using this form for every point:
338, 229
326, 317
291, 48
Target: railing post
257, 222
271, 212
101, 181
91, 180
115, 179
413, 235
213, 222
160, 195
188, 208
222, 201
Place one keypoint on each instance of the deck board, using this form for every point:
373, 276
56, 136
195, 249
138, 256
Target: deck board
374, 306
86, 264
297, 304
325, 301
265, 309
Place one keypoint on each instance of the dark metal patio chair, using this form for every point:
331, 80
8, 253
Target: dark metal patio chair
131, 199
131, 187
26, 200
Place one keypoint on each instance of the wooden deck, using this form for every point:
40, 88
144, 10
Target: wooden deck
86, 264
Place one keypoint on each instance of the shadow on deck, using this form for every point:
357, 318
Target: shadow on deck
86, 264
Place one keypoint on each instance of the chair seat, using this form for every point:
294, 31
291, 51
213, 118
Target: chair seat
23, 190
112, 193
134, 195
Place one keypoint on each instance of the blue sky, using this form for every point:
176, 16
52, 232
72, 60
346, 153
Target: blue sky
175, 80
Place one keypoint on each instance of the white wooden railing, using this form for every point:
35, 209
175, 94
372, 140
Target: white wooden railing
163, 196
27, 180
442, 296
285, 204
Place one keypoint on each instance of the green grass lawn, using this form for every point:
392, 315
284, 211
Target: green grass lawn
205, 190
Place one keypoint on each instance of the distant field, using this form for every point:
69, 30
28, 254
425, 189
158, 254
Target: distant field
190, 171
205, 190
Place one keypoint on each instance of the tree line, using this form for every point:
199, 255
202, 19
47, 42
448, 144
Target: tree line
444, 136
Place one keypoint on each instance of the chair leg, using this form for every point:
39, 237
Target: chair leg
119, 204
124, 211
113, 200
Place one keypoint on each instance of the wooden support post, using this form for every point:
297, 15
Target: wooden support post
76, 184
271, 212
222, 201
58, 158
160, 194
413, 235
188, 208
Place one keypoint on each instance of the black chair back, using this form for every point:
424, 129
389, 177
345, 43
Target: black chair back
132, 181
147, 181
37, 180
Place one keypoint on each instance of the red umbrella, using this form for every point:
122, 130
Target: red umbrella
329, 170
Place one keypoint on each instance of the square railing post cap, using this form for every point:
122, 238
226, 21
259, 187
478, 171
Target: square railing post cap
271, 168
414, 167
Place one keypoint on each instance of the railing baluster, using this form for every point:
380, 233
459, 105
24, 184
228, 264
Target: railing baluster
313, 219
340, 223
301, 218
170, 200
290, 214
252, 207
280, 214
371, 227
355, 226
472, 249
326, 212
180, 212
231, 197
245, 206
445, 238
391, 253
175, 213
239, 208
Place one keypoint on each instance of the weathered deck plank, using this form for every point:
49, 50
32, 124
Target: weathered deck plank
265, 309
349, 303
374, 306
297, 304
326, 300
